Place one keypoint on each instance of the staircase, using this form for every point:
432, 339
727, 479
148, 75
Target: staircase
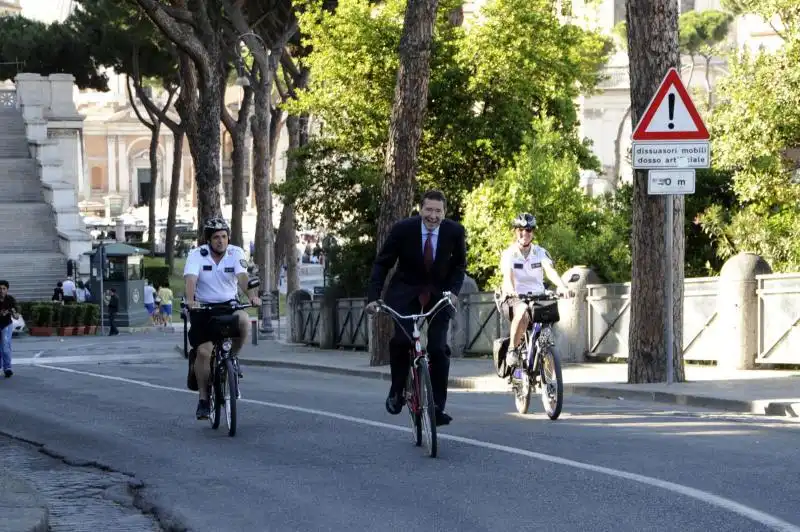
30, 258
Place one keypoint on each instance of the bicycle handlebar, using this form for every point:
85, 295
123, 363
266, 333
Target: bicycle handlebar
233, 304
444, 300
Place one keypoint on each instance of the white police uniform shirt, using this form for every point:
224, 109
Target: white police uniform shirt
216, 283
528, 271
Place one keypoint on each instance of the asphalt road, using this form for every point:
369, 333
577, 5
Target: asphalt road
319, 452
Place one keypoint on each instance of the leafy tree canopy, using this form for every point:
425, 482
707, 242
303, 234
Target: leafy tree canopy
34, 47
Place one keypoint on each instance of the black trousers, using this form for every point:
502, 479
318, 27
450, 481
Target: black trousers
401, 346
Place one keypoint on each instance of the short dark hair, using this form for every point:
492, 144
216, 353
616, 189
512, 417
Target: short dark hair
435, 195
3, 282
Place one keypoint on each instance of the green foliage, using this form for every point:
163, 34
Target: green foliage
47, 49
787, 11
756, 131
158, 275
114, 32
754, 124
701, 32
574, 228
486, 87
713, 187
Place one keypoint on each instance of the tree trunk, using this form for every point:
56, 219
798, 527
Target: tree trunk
405, 131
237, 129
709, 92
653, 49
151, 208
261, 122
618, 147
205, 132
174, 190
238, 186
285, 250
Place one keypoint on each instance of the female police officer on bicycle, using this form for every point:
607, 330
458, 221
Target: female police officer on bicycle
523, 265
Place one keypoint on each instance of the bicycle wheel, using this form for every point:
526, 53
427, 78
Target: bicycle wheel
427, 408
522, 393
230, 392
214, 395
522, 384
552, 385
412, 405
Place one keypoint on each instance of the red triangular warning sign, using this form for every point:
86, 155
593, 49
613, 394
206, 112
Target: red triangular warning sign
671, 114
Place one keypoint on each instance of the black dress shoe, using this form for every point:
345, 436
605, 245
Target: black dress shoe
443, 418
394, 404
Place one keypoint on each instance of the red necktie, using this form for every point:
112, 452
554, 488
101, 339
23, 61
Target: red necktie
427, 252
427, 257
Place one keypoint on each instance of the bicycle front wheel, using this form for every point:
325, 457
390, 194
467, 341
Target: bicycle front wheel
552, 384
427, 408
412, 405
214, 395
230, 387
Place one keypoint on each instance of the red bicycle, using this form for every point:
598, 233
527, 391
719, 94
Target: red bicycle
419, 391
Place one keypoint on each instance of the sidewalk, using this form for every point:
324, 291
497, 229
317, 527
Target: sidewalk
21, 506
764, 392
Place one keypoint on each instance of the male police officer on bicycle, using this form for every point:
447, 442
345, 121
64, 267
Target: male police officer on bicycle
212, 274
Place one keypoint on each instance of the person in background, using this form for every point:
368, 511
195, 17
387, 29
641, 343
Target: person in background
113, 308
68, 286
82, 293
150, 300
166, 296
8, 312
58, 293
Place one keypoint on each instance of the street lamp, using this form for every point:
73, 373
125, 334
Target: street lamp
266, 330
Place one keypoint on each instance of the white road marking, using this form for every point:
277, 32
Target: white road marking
38, 359
758, 516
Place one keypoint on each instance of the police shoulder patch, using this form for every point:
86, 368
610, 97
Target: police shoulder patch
204, 252
243, 263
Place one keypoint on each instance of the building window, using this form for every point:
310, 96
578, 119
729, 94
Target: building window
98, 183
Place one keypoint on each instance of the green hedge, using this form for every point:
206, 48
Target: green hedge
48, 314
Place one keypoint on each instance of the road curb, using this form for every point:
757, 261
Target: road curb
764, 408
22, 507
682, 399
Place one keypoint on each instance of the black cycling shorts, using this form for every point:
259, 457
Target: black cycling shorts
200, 332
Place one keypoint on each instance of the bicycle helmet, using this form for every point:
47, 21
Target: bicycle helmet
524, 221
212, 225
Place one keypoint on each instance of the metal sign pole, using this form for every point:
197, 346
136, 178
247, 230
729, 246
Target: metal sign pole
102, 292
669, 212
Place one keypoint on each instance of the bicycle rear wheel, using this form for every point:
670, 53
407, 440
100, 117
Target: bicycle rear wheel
230, 392
427, 408
412, 405
552, 384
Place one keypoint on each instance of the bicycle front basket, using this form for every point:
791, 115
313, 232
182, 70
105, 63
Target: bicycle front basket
545, 312
224, 326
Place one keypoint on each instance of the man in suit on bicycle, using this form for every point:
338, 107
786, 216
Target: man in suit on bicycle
430, 253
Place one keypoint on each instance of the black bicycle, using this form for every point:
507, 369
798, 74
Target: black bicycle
540, 366
223, 382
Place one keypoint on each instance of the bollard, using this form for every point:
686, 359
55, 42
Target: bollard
254, 331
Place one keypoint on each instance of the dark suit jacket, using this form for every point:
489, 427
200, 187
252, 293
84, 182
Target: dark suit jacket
404, 247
